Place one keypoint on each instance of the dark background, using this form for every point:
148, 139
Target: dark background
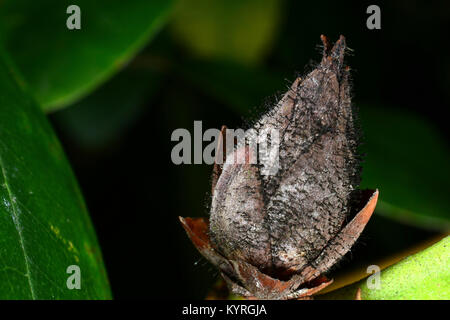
135, 194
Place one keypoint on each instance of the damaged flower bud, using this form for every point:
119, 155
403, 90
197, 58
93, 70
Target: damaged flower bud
273, 236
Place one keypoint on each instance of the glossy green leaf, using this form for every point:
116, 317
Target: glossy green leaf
62, 65
228, 29
424, 275
407, 160
44, 224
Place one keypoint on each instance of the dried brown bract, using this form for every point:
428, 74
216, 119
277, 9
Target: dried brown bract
273, 236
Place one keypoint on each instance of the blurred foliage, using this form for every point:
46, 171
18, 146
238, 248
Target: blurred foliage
238, 86
408, 161
62, 65
228, 29
226, 62
103, 115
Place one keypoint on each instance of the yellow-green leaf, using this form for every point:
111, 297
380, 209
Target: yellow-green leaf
228, 29
424, 275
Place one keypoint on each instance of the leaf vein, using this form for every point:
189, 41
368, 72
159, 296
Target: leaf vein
16, 221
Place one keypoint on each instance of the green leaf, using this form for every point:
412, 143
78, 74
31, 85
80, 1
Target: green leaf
424, 275
62, 65
239, 30
407, 160
356, 268
44, 224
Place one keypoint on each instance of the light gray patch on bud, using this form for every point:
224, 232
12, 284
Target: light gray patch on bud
237, 214
269, 156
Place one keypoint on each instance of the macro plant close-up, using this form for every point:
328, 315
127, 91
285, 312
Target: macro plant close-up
224, 150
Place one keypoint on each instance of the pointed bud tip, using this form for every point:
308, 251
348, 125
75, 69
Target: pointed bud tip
333, 55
